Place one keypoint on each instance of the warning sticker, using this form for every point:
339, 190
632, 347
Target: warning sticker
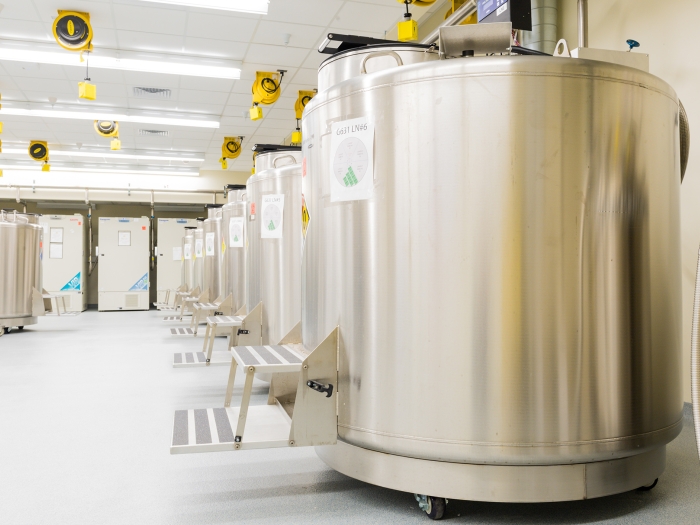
352, 154
272, 216
235, 232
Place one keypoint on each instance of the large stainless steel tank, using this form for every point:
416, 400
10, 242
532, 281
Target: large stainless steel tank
198, 255
188, 257
233, 228
20, 261
348, 64
508, 293
212, 251
274, 263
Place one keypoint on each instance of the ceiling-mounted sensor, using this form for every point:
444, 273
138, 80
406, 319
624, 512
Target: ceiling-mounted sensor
285, 38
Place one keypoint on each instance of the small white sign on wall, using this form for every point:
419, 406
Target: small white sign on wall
177, 253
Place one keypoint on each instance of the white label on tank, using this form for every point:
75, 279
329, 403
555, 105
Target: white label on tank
188, 252
177, 253
211, 240
272, 216
197, 248
502, 9
235, 232
352, 160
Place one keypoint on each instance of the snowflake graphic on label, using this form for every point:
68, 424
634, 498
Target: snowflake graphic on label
272, 216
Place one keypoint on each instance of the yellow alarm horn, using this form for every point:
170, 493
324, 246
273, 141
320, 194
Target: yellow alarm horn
266, 90
39, 150
107, 128
72, 31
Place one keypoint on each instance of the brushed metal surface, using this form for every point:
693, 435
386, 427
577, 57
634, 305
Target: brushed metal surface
233, 272
20, 265
497, 483
276, 159
198, 262
346, 65
510, 294
212, 265
188, 264
274, 265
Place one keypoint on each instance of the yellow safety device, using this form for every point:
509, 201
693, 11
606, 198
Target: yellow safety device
115, 145
266, 90
0, 146
72, 31
87, 91
0, 127
232, 147
421, 3
408, 29
107, 128
224, 164
302, 100
456, 4
39, 150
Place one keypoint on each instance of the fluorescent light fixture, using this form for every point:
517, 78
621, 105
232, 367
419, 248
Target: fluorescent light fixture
106, 115
106, 155
8, 169
166, 66
258, 7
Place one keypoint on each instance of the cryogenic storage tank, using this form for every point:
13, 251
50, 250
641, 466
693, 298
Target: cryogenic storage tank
507, 289
212, 251
233, 228
198, 256
188, 257
274, 245
348, 64
20, 261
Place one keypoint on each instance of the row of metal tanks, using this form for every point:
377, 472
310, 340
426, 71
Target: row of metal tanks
493, 251
21, 238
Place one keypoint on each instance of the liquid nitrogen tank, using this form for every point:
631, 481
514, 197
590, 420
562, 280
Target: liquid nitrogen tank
497, 239
233, 228
188, 258
212, 252
274, 240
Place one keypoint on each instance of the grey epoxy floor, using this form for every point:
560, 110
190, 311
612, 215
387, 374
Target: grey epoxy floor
86, 406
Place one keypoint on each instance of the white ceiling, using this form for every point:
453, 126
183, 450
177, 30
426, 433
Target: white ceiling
255, 41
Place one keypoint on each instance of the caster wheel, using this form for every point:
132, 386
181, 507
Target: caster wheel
432, 506
20, 328
7, 329
649, 487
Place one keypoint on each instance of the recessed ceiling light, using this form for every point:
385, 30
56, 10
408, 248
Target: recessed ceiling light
20, 52
244, 6
106, 115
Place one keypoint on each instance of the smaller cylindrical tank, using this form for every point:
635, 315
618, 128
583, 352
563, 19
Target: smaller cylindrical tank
233, 228
188, 257
212, 251
348, 64
20, 261
274, 247
198, 255
268, 155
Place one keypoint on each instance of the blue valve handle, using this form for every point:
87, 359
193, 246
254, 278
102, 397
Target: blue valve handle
633, 44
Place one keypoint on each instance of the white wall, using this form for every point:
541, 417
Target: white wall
667, 32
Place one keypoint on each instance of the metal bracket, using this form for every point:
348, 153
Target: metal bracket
319, 387
479, 39
243, 332
562, 49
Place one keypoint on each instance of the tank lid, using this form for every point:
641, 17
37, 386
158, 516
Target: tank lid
201, 219
335, 43
266, 148
190, 227
207, 206
235, 187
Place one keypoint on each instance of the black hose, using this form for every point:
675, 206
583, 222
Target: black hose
525, 51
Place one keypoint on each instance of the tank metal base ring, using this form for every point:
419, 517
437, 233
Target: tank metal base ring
19, 321
496, 483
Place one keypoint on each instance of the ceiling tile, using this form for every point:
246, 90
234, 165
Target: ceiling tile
300, 35
149, 19
221, 27
314, 12
141, 41
215, 48
355, 16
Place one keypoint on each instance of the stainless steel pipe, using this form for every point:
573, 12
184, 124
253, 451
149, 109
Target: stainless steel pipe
582, 23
